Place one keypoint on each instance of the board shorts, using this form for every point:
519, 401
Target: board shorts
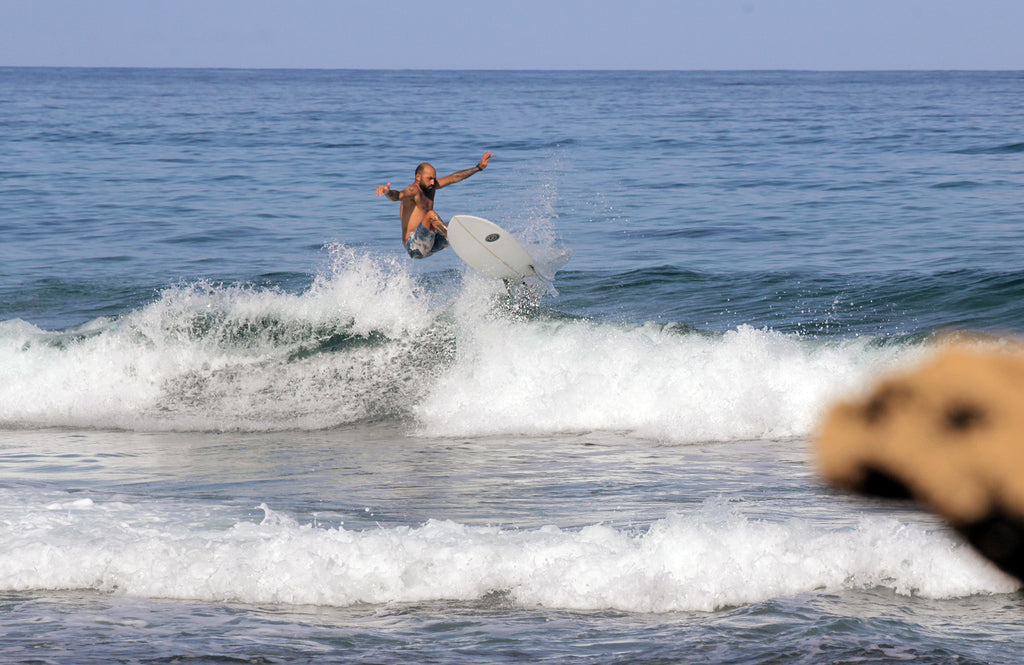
423, 242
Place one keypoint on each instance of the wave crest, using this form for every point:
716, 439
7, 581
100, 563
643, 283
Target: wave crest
369, 340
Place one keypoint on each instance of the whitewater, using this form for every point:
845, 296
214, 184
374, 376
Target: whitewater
711, 558
366, 341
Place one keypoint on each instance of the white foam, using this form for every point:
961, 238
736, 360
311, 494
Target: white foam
222, 357
368, 340
705, 560
653, 380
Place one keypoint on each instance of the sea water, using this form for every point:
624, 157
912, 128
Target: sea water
238, 424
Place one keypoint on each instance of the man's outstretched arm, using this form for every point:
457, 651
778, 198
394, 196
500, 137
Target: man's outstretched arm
459, 176
385, 190
397, 194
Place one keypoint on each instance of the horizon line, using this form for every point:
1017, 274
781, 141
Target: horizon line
514, 69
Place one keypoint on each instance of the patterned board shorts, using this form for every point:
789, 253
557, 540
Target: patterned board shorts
423, 242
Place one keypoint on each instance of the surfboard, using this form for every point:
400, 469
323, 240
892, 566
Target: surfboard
490, 249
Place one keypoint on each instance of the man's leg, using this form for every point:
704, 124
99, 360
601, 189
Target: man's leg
437, 224
423, 242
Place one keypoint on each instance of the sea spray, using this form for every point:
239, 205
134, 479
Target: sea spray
215, 357
367, 340
660, 381
705, 559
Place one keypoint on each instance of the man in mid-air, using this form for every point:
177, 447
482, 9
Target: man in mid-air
423, 231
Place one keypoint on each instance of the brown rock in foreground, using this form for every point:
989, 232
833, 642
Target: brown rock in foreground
949, 434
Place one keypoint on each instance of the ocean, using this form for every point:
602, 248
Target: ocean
239, 424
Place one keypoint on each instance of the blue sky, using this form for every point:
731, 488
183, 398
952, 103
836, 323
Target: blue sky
516, 34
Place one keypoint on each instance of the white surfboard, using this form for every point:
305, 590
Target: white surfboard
489, 248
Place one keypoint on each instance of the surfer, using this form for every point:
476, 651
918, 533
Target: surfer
423, 231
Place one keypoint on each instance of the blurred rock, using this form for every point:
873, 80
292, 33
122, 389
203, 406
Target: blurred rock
949, 434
